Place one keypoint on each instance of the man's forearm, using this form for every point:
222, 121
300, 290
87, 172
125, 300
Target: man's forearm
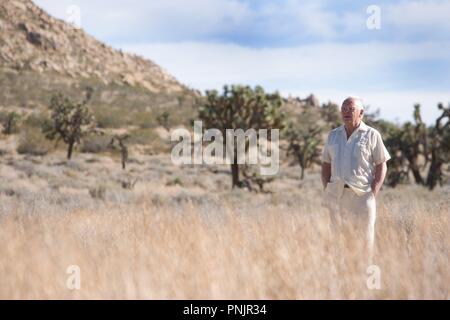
326, 173
380, 174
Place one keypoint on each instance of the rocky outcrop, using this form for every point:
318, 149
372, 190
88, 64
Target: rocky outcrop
33, 40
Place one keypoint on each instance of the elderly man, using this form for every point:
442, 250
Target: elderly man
353, 169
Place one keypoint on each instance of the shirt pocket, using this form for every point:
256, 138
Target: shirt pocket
362, 151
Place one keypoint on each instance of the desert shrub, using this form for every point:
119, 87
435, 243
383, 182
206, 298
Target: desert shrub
98, 192
143, 119
36, 120
32, 141
95, 144
174, 182
150, 138
164, 120
181, 115
143, 136
109, 117
10, 122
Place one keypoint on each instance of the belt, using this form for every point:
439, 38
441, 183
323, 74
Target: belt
346, 186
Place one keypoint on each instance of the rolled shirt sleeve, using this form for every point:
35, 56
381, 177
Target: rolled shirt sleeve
380, 153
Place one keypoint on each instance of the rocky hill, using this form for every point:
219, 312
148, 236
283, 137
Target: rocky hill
40, 55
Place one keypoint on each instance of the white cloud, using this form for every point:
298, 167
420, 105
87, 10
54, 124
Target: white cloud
288, 20
202, 63
296, 18
161, 19
194, 19
326, 68
331, 71
431, 17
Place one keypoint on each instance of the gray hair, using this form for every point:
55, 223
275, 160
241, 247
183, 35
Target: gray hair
354, 100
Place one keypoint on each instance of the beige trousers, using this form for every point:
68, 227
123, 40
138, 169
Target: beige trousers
347, 208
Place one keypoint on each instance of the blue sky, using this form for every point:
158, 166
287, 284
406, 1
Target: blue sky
294, 46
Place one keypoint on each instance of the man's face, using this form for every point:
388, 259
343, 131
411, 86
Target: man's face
351, 114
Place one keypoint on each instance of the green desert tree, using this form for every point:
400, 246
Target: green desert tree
398, 168
439, 148
163, 120
304, 136
241, 107
413, 146
407, 145
122, 147
10, 122
331, 114
70, 120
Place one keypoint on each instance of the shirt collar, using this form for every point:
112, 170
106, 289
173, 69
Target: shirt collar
362, 127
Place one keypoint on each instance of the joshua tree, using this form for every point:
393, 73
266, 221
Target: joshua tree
252, 177
241, 107
163, 120
70, 120
412, 144
407, 145
303, 135
304, 145
10, 122
398, 165
331, 114
123, 148
440, 147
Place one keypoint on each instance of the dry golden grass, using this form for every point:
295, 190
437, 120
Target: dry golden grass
235, 247
180, 233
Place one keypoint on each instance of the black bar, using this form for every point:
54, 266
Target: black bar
221, 309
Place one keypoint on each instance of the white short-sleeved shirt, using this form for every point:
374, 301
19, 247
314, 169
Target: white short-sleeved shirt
353, 161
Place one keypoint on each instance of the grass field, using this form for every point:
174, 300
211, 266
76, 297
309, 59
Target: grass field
182, 234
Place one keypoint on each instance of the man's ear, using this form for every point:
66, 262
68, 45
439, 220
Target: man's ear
362, 112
